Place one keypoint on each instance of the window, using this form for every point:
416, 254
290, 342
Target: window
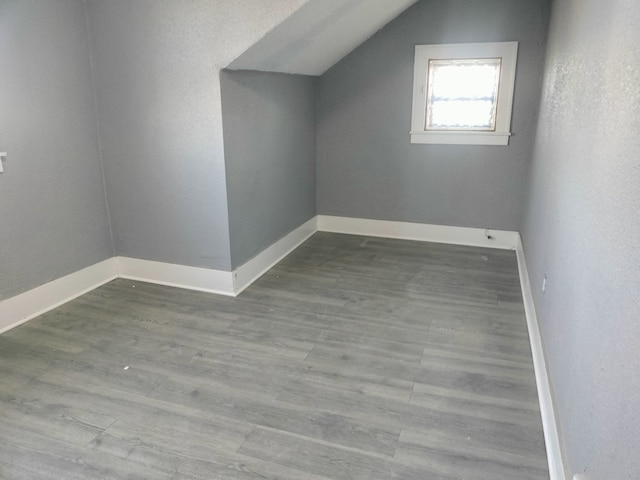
462, 93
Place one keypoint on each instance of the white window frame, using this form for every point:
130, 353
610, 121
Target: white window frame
507, 51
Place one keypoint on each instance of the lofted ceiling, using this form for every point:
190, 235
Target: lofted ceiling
318, 35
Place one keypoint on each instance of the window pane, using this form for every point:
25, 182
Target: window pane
463, 94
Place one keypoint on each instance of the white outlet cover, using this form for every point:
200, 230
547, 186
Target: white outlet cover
579, 476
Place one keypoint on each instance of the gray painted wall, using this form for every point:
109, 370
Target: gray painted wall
269, 144
53, 216
157, 77
366, 166
582, 229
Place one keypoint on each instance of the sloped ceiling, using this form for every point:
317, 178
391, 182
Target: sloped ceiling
318, 35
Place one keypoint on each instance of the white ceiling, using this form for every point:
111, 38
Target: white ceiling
318, 35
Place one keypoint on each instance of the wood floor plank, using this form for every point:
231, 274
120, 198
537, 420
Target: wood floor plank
331, 461
465, 457
290, 417
519, 414
516, 431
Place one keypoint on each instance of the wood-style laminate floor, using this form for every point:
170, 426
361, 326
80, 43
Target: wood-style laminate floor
354, 358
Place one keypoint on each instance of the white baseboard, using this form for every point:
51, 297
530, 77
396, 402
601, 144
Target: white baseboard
30, 304
23, 307
19, 309
181, 276
215, 281
476, 237
249, 272
547, 410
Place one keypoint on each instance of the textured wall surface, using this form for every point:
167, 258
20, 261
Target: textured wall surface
269, 144
582, 229
367, 166
53, 217
157, 76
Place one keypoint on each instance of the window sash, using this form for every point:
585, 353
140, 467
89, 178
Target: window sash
462, 94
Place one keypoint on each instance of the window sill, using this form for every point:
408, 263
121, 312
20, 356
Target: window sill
461, 138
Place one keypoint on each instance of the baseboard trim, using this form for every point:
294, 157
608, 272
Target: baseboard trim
16, 310
180, 276
547, 410
249, 272
476, 237
25, 306
21, 308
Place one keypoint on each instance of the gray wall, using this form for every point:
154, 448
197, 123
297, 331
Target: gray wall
269, 144
157, 77
366, 166
53, 216
582, 228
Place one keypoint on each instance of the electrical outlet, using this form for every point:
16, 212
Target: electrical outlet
579, 476
544, 289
